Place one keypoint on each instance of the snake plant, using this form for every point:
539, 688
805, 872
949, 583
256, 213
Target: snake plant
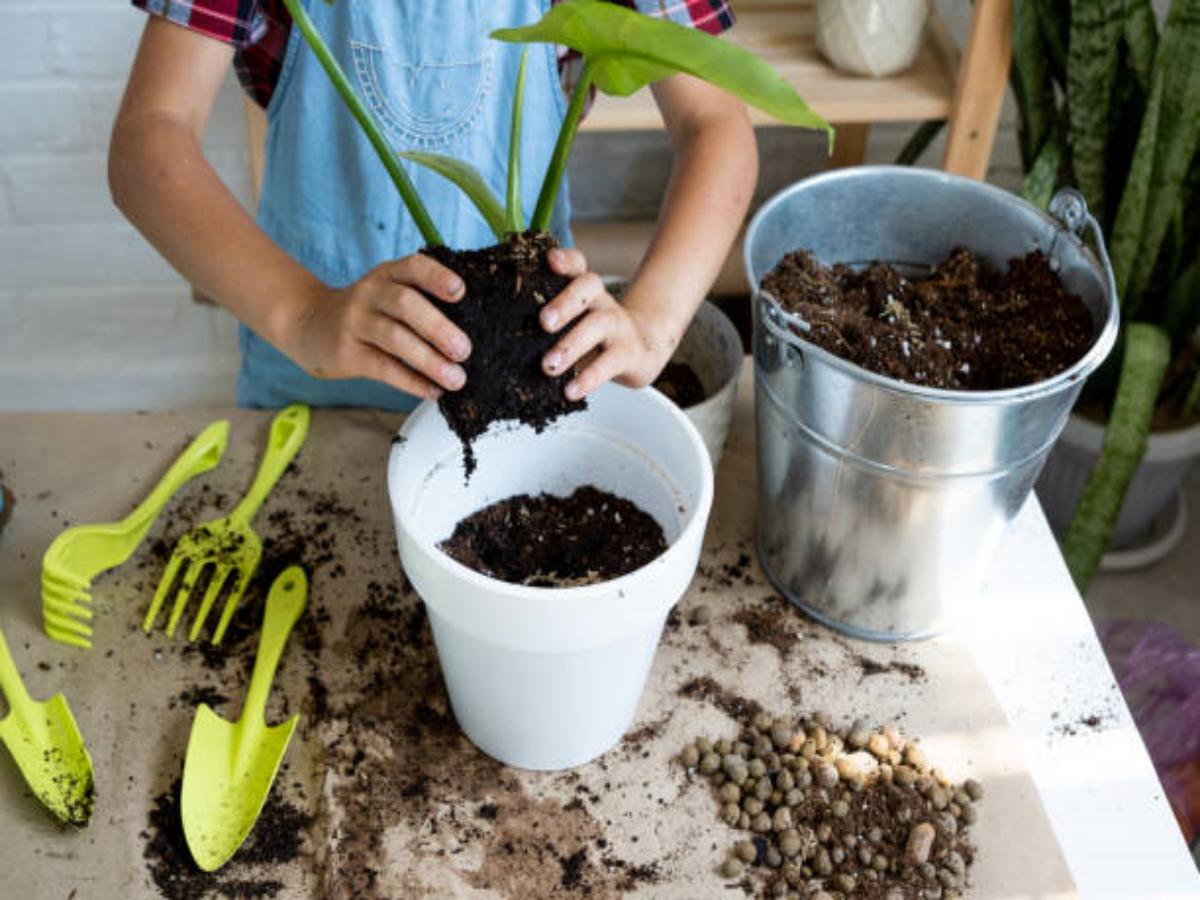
1089, 76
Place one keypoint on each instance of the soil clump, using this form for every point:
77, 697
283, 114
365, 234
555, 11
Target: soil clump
964, 326
506, 287
547, 541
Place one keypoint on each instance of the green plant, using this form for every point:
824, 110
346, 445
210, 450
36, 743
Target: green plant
1088, 76
622, 50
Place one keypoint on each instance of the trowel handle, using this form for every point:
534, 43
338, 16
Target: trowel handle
285, 601
10, 678
288, 430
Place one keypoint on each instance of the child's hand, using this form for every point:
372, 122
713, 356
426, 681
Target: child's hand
627, 350
385, 328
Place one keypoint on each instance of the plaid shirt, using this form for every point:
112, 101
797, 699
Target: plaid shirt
259, 30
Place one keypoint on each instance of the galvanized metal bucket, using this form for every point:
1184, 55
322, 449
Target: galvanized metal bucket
881, 504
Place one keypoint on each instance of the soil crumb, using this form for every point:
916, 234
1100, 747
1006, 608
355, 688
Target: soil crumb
772, 621
547, 541
277, 839
962, 327
681, 385
506, 287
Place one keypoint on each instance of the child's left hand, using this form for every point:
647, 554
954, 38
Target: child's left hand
628, 350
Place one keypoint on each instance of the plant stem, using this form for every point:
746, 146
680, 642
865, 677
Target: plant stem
919, 141
1147, 356
408, 193
562, 150
514, 217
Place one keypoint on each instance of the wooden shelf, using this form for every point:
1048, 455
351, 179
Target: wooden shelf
782, 33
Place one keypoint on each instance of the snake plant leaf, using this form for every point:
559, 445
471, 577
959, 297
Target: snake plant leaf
1055, 18
1166, 149
468, 180
628, 50
1043, 176
1141, 38
1032, 87
1147, 356
1092, 61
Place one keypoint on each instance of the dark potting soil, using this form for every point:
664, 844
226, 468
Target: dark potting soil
507, 286
277, 839
681, 385
962, 327
547, 541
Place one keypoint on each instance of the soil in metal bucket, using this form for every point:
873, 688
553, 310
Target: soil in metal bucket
964, 326
547, 541
507, 286
681, 385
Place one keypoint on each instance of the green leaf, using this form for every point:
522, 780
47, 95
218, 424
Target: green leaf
1055, 19
514, 218
1092, 56
629, 50
1147, 355
468, 180
1166, 150
366, 121
1181, 308
1141, 38
1043, 176
1031, 83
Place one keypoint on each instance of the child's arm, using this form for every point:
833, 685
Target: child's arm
715, 170
381, 327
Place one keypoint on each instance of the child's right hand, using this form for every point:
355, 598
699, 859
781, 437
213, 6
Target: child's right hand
385, 328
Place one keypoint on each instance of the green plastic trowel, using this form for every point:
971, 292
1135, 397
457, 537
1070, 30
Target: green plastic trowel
229, 768
46, 744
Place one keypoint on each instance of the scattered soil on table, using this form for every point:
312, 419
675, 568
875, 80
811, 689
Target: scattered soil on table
547, 541
506, 287
772, 621
852, 811
868, 667
704, 688
962, 327
681, 385
277, 839
194, 696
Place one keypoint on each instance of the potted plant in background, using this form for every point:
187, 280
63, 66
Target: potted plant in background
1108, 103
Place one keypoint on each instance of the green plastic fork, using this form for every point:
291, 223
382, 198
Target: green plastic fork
82, 552
227, 547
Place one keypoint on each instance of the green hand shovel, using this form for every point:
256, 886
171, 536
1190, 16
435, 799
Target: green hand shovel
47, 746
229, 769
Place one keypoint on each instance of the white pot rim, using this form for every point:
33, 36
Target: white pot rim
1163, 446
550, 600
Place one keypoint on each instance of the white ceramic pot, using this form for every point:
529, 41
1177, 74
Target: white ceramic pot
549, 678
1169, 458
712, 348
871, 37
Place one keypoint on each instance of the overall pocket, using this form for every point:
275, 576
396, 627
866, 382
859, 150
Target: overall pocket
427, 94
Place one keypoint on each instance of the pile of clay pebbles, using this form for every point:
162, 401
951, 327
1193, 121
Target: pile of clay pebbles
837, 813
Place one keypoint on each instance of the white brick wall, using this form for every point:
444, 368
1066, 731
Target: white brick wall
90, 316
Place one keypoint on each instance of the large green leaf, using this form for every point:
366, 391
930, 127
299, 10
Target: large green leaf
628, 50
1165, 153
1092, 56
1147, 355
1031, 83
1141, 38
468, 180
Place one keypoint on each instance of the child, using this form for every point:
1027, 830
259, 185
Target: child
328, 283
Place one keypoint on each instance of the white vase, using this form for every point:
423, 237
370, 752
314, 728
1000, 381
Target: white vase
871, 37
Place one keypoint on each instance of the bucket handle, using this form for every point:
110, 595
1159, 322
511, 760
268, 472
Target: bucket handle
1070, 208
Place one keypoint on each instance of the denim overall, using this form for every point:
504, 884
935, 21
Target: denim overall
435, 82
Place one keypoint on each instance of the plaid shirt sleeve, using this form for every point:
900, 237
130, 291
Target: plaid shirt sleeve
259, 30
